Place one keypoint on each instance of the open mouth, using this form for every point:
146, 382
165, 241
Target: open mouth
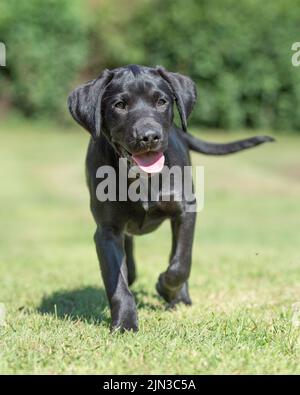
150, 162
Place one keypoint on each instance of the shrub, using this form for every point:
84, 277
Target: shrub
46, 47
238, 53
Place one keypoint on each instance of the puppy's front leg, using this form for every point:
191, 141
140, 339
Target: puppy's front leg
172, 284
111, 254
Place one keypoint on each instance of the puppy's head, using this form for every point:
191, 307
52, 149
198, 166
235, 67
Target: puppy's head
133, 107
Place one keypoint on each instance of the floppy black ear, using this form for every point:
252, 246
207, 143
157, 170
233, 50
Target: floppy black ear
85, 103
184, 91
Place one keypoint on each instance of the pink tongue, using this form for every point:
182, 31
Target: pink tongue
150, 162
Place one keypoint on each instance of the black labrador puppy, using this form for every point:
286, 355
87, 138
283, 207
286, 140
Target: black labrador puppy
129, 113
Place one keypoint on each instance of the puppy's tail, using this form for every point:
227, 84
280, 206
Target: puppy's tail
207, 148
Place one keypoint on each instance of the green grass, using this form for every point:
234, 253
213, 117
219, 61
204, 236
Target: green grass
245, 276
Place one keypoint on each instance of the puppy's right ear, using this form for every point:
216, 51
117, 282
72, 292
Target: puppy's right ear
85, 103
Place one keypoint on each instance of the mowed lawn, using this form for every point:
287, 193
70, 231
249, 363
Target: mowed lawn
245, 276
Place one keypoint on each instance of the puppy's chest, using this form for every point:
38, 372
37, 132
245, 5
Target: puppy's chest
147, 216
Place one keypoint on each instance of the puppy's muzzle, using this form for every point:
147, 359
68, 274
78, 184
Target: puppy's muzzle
149, 139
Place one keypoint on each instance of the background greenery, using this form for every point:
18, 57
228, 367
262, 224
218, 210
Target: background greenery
46, 46
238, 53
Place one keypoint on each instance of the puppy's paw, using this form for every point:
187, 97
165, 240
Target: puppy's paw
126, 321
181, 297
167, 294
173, 296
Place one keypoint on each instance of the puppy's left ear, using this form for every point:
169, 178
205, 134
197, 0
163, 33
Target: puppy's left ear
85, 103
184, 90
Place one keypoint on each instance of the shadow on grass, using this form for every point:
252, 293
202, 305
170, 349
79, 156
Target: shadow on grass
87, 304
141, 298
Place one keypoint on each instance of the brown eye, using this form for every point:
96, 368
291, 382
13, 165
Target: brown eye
120, 105
161, 102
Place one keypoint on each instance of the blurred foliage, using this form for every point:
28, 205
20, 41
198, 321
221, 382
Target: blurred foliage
46, 47
238, 53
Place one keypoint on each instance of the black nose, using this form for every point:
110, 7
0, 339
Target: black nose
150, 137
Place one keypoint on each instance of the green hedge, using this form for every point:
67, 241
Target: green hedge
46, 47
238, 52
